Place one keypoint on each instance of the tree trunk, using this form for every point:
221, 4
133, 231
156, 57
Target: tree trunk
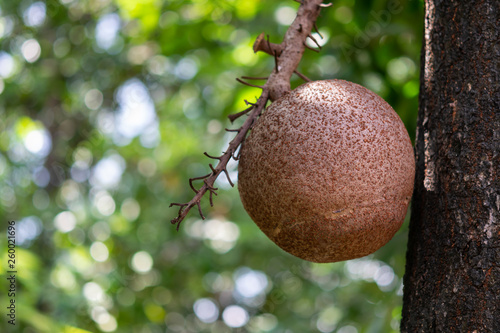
452, 279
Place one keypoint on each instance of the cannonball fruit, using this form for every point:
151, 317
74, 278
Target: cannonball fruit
327, 171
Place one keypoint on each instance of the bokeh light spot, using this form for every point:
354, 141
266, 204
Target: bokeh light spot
285, 15
99, 251
65, 221
6, 26
107, 173
107, 29
79, 171
104, 203
328, 319
206, 310
384, 276
343, 14
347, 329
400, 69
235, 316
136, 111
221, 235
34, 15
142, 262
147, 167
63, 278
107, 323
28, 229
93, 292
31, 50
186, 69
101, 231
7, 65
250, 283
130, 209
38, 142
265, 322
93, 99
41, 176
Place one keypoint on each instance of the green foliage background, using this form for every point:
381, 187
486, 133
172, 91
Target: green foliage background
96, 250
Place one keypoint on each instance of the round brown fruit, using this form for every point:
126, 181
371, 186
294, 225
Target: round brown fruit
327, 172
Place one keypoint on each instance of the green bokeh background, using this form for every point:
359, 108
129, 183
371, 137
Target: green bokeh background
96, 251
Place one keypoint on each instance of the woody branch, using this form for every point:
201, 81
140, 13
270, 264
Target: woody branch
287, 56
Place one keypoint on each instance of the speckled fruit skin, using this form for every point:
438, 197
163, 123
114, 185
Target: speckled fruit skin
327, 172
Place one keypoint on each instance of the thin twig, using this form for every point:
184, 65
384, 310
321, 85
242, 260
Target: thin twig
317, 30
196, 178
310, 48
248, 84
227, 176
233, 117
315, 41
210, 156
255, 78
275, 55
302, 76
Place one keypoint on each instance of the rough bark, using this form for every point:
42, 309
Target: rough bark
452, 279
